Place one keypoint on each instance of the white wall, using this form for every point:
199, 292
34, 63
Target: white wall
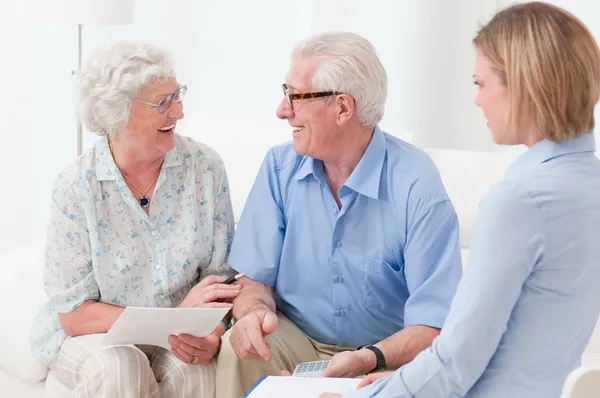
233, 56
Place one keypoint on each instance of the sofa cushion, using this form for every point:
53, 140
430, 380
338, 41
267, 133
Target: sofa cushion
21, 295
467, 176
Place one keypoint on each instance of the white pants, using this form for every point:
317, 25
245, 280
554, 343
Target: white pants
93, 370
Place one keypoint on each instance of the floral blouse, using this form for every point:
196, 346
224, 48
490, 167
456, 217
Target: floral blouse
102, 245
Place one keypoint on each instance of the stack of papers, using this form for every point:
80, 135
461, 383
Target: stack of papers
153, 326
300, 387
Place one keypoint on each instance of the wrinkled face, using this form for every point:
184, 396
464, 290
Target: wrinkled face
148, 129
493, 99
314, 121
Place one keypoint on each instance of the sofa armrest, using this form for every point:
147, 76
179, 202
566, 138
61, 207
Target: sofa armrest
21, 295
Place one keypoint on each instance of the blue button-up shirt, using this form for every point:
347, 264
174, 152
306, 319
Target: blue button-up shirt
529, 299
389, 258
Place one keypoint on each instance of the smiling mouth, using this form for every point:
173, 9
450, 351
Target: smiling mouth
298, 129
167, 129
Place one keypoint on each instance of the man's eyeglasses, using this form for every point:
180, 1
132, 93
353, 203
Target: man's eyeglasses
164, 104
300, 96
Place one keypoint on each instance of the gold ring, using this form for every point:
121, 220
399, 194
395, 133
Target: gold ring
193, 360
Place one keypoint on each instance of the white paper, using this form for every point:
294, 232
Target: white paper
153, 326
302, 387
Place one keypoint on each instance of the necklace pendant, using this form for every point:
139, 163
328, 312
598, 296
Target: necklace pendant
144, 201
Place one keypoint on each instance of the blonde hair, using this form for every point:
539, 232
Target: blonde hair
551, 66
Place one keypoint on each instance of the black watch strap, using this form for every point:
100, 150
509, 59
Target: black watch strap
380, 358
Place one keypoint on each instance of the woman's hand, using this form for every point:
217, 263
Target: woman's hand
373, 377
210, 289
196, 350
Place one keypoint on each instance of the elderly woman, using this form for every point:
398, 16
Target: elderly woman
139, 220
529, 298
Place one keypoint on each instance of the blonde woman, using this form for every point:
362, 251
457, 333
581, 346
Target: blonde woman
142, 219
529, 298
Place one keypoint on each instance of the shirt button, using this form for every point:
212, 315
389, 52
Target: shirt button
338, 244
340, 312
154, 233
157, 266
335, 210
339, 279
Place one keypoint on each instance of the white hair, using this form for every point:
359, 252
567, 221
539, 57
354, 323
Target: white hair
348, 64
112, 78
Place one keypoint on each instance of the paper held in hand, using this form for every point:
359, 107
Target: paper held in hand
153, 326
301, 387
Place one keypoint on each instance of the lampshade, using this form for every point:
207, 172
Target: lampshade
86, 12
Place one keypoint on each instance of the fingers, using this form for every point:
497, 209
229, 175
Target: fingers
285, 373
247, 338
365, 382
373, 377
258, 343
183, 356
189, 346
269, 323
219, 292
216, 305
210, 280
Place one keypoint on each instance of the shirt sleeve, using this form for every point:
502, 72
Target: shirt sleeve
223, 224
507, 244
259, 236
68, 275
432, 265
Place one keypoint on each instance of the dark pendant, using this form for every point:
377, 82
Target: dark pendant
144, 201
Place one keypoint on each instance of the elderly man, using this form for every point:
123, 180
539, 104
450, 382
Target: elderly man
348, 239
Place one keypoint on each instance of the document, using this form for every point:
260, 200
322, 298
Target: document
153, 326
301, 387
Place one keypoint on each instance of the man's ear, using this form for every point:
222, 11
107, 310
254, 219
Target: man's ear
346, 108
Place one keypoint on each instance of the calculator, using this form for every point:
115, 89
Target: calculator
311, 369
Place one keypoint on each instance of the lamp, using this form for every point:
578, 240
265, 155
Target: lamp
85, 12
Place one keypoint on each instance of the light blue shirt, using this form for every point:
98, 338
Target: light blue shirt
530, 296
102, 246
388, 259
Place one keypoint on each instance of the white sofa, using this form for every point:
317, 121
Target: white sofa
467, 175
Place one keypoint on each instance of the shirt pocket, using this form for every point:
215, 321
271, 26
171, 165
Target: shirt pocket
384, 286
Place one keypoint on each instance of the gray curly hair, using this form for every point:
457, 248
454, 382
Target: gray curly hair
110, 81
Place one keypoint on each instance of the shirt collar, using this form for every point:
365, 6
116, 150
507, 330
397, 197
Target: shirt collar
546, 150
106, 169
365, 177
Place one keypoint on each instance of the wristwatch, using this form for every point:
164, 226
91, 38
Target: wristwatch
379, 355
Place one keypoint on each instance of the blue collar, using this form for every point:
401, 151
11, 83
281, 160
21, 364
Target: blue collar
366, 176
546, 150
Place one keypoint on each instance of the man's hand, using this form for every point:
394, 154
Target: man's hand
248, 334
198, 350
350, 364
210, 289
373, 377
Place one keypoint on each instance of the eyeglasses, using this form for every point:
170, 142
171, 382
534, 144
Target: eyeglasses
300, 96
164, 104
